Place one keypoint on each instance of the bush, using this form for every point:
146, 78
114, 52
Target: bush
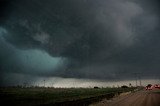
124, 86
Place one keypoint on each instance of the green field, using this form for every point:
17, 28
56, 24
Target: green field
47, 96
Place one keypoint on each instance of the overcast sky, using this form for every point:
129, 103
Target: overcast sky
109, 40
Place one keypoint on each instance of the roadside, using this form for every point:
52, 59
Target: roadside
140, 98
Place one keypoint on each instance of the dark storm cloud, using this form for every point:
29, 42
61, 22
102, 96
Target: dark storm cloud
104, 39
4, 5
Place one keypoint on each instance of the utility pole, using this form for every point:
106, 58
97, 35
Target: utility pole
136, 82
135, 74
44, 83
138, 77
140, 80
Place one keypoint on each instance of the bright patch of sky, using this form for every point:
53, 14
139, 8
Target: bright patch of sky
39, 60
14, 79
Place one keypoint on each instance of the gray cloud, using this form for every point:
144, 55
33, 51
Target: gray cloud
105, 39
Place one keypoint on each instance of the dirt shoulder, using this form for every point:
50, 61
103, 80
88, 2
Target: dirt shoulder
140, 98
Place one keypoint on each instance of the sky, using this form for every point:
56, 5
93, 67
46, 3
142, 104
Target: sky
77, 40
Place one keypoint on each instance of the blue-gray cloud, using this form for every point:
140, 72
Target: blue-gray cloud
105, 39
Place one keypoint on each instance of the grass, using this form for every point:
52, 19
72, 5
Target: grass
157, 91
39, 96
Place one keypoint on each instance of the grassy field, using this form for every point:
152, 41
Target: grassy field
48, 96
156, 91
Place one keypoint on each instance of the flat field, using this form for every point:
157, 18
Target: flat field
56, 96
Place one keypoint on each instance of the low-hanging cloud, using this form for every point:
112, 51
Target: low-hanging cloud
101, 39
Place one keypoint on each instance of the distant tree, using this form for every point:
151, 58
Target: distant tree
96, 87
124, 86
130, 85
25, 84
149, 85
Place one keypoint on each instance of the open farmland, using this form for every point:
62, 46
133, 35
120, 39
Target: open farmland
56, 96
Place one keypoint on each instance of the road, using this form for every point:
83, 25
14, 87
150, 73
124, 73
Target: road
140, 98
